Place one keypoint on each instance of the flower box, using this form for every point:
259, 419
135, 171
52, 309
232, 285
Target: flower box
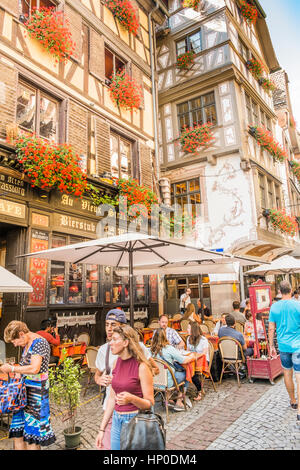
191, 4
125, 92
267, 84
266, 140
51, 29
295, 167
193, 138
186, 60
249, 12
256, 67
283, 222
126, 14
50, 166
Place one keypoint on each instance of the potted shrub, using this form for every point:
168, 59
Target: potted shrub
267, 84
256, 67
64, 392
295, 166
186, 60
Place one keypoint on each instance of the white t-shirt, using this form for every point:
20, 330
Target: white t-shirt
201, 346
101, 366
185, 300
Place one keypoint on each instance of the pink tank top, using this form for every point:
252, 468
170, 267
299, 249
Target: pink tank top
126, 379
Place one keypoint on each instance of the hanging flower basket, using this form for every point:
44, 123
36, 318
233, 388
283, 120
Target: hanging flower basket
50, 166
125, 13
186, 60
191, 4
125, 91
193, 138
51, 29
266, 140
249, 12
293, 123
256, 67
267, 84
283, 222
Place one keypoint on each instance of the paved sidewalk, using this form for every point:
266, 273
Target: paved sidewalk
255, 416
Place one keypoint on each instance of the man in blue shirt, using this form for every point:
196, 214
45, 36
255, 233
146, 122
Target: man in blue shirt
285, 317
229, 330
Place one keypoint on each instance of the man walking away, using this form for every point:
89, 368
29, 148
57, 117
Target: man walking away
285, 318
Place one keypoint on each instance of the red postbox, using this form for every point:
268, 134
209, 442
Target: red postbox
262, 366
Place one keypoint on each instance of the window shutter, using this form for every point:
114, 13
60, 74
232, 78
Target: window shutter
102, 131
75, 21
137, 75
146, 165
97, 55
12, 6
78, 128
8, 98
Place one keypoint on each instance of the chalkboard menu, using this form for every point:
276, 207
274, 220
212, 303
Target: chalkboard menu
265, 319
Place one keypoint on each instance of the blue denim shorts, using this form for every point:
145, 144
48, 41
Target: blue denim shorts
290, 361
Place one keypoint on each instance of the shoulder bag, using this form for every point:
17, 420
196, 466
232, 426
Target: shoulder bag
145, 431
12, 395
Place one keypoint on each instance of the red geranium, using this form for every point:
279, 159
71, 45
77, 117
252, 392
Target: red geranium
125, 91
191, 4
51, 166
256, 67
126, 14
249, 12
51, 29
184, 61
266, 140
193, 138
283, 222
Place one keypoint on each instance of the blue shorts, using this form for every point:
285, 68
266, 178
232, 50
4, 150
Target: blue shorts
290, 361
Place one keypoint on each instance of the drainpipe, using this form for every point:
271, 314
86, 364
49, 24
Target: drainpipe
154, 93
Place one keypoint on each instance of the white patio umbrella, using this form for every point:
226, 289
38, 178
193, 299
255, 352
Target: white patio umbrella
127, 251
284, 265
9, 282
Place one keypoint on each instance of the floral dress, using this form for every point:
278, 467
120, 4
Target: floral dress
33, 422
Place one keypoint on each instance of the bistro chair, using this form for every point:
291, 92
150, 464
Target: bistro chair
239, 327
210, 325
204, 329
91, 354
139, 332
211, 357
161, 385
184, 325
177, 317
232, 356
154, 324
84, 338
138, 325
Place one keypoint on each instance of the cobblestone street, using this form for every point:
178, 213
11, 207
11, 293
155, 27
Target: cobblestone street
256, 416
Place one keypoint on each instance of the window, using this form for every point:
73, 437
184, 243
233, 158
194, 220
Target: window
186, 193
37, 112
120, 157
26, 6
255, 114
57, 276
192, 43
278, 196
249, 110
244, 51
262, 190
197, 111
271, 194
113, 64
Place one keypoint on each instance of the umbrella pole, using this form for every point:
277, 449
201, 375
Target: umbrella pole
131, 293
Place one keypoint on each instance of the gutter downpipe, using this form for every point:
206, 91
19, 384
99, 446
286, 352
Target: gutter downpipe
154, 94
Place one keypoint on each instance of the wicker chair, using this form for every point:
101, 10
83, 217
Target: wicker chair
84, 338
184, 325
210, 325
154, 324
138, 325
204, 329
177, 317
232, 355
161, 385
91, 354
239, 327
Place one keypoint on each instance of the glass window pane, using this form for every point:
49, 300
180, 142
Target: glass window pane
181, 47
48, 118
210, 114
183, 108
197, 117
171, 288
184, 121
208, 99
194, 185
195, 42
119, 64
26, 107
181, 188
196, 103
125, 149
140, 289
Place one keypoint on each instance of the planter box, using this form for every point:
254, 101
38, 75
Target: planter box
264, 368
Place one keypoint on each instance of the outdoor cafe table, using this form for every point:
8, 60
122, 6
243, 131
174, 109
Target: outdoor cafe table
200, 366
71, 350
175, 324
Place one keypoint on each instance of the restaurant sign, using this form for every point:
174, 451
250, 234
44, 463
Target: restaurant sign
74, 320
12, 209
9, 184
66, 222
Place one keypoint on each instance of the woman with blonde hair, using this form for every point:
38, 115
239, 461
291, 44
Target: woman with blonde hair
191, 314
131, 386
31, 427
161, 349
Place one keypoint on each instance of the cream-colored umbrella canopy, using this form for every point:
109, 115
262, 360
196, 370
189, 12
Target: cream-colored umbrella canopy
10, 283
284, 265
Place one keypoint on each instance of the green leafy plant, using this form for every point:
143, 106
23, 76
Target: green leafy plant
124, 90
65, 390
256, 67
283, 222
194, 138
249, 12
186, 60
266, 140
